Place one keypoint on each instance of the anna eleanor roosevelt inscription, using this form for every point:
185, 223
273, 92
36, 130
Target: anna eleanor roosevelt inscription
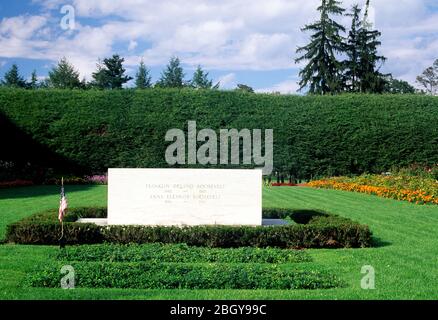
184, 197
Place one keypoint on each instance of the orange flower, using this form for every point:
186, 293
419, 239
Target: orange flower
417, 196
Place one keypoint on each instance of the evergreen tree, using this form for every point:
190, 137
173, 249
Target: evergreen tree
33, 80
200, 80
351, 47
371, 80
173, 75
362, 67
64, 76
44, 84
143, 78
12, 78
322, 73
100, 79
85, 85
110, 74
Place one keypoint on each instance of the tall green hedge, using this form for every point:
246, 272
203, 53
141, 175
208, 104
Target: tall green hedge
313, 135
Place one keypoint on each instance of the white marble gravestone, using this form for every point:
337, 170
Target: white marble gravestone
184, 197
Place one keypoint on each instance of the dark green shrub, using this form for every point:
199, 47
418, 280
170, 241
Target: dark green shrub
322, 231
287, 236
181, 253
313, 135
44, 228
186, 276
49, 233
301, 216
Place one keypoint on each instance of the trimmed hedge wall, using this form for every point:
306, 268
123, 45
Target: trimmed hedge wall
322, 230
313, 135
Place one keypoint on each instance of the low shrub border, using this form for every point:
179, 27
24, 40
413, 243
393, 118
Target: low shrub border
181, 253
185, 276
313, 229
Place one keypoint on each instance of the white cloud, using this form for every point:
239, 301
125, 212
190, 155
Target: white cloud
132, 45
221, 35
227, 81
21, 27
285, 87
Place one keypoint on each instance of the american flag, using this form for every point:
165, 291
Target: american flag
62, 203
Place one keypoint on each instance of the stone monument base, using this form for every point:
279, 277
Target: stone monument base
104, 221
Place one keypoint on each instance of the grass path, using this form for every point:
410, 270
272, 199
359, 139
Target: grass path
406, 261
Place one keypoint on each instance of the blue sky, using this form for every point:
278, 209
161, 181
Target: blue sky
245, 41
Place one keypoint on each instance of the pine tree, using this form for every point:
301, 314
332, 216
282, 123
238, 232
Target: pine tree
173, 75
362, 67
84, 84
64, 76
200, 79
100, 79
12, 78
371, 80
322, 73
33, 80
351, 47
143, 78
110, 74
44, 84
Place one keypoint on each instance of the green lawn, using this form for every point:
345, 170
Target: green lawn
405, 260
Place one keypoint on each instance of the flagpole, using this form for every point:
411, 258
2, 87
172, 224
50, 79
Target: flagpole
61, 244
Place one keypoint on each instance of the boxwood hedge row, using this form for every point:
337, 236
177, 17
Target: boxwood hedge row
313, 135
186, 276
322, 230
179, 253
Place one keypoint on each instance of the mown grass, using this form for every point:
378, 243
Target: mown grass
405, 257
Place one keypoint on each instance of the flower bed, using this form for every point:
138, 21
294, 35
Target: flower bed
71, 180
15, 183
393, 187
98, 179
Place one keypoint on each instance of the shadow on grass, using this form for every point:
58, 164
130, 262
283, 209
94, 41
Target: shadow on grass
40, 191
303, 216
379, 243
